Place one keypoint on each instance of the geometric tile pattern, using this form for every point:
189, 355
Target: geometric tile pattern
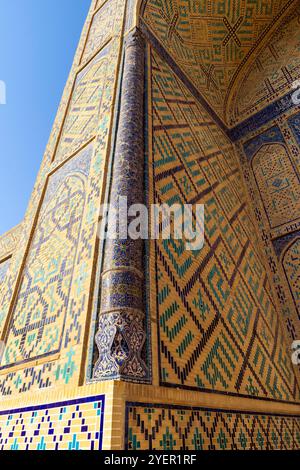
291, 267
211, 40
41, 376
43, 300
9, 240
121, 335
4, 266
83, 112
64, 367
270, 157
26, 380
70, 425
278, 183
101, 29
169, 427
273, 72
219, 327
265, 116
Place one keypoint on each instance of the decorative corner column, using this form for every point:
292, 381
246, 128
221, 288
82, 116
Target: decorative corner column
121, 333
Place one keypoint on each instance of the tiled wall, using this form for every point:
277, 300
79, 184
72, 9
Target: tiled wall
211, 41
52, 270
219, 323
9, 240
69, 425
170, 427
219, 326
270, 158
271, 75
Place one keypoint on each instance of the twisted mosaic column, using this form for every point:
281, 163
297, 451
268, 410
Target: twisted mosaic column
121, 334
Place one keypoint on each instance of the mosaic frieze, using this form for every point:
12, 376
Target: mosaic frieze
71, 425
169, 427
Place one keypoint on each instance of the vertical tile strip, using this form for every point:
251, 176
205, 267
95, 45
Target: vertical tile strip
121, 335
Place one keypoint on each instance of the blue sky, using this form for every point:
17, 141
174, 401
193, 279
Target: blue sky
38, 39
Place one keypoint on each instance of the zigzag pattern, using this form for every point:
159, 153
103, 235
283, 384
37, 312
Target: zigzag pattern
70, 425
218, 325
167, 427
